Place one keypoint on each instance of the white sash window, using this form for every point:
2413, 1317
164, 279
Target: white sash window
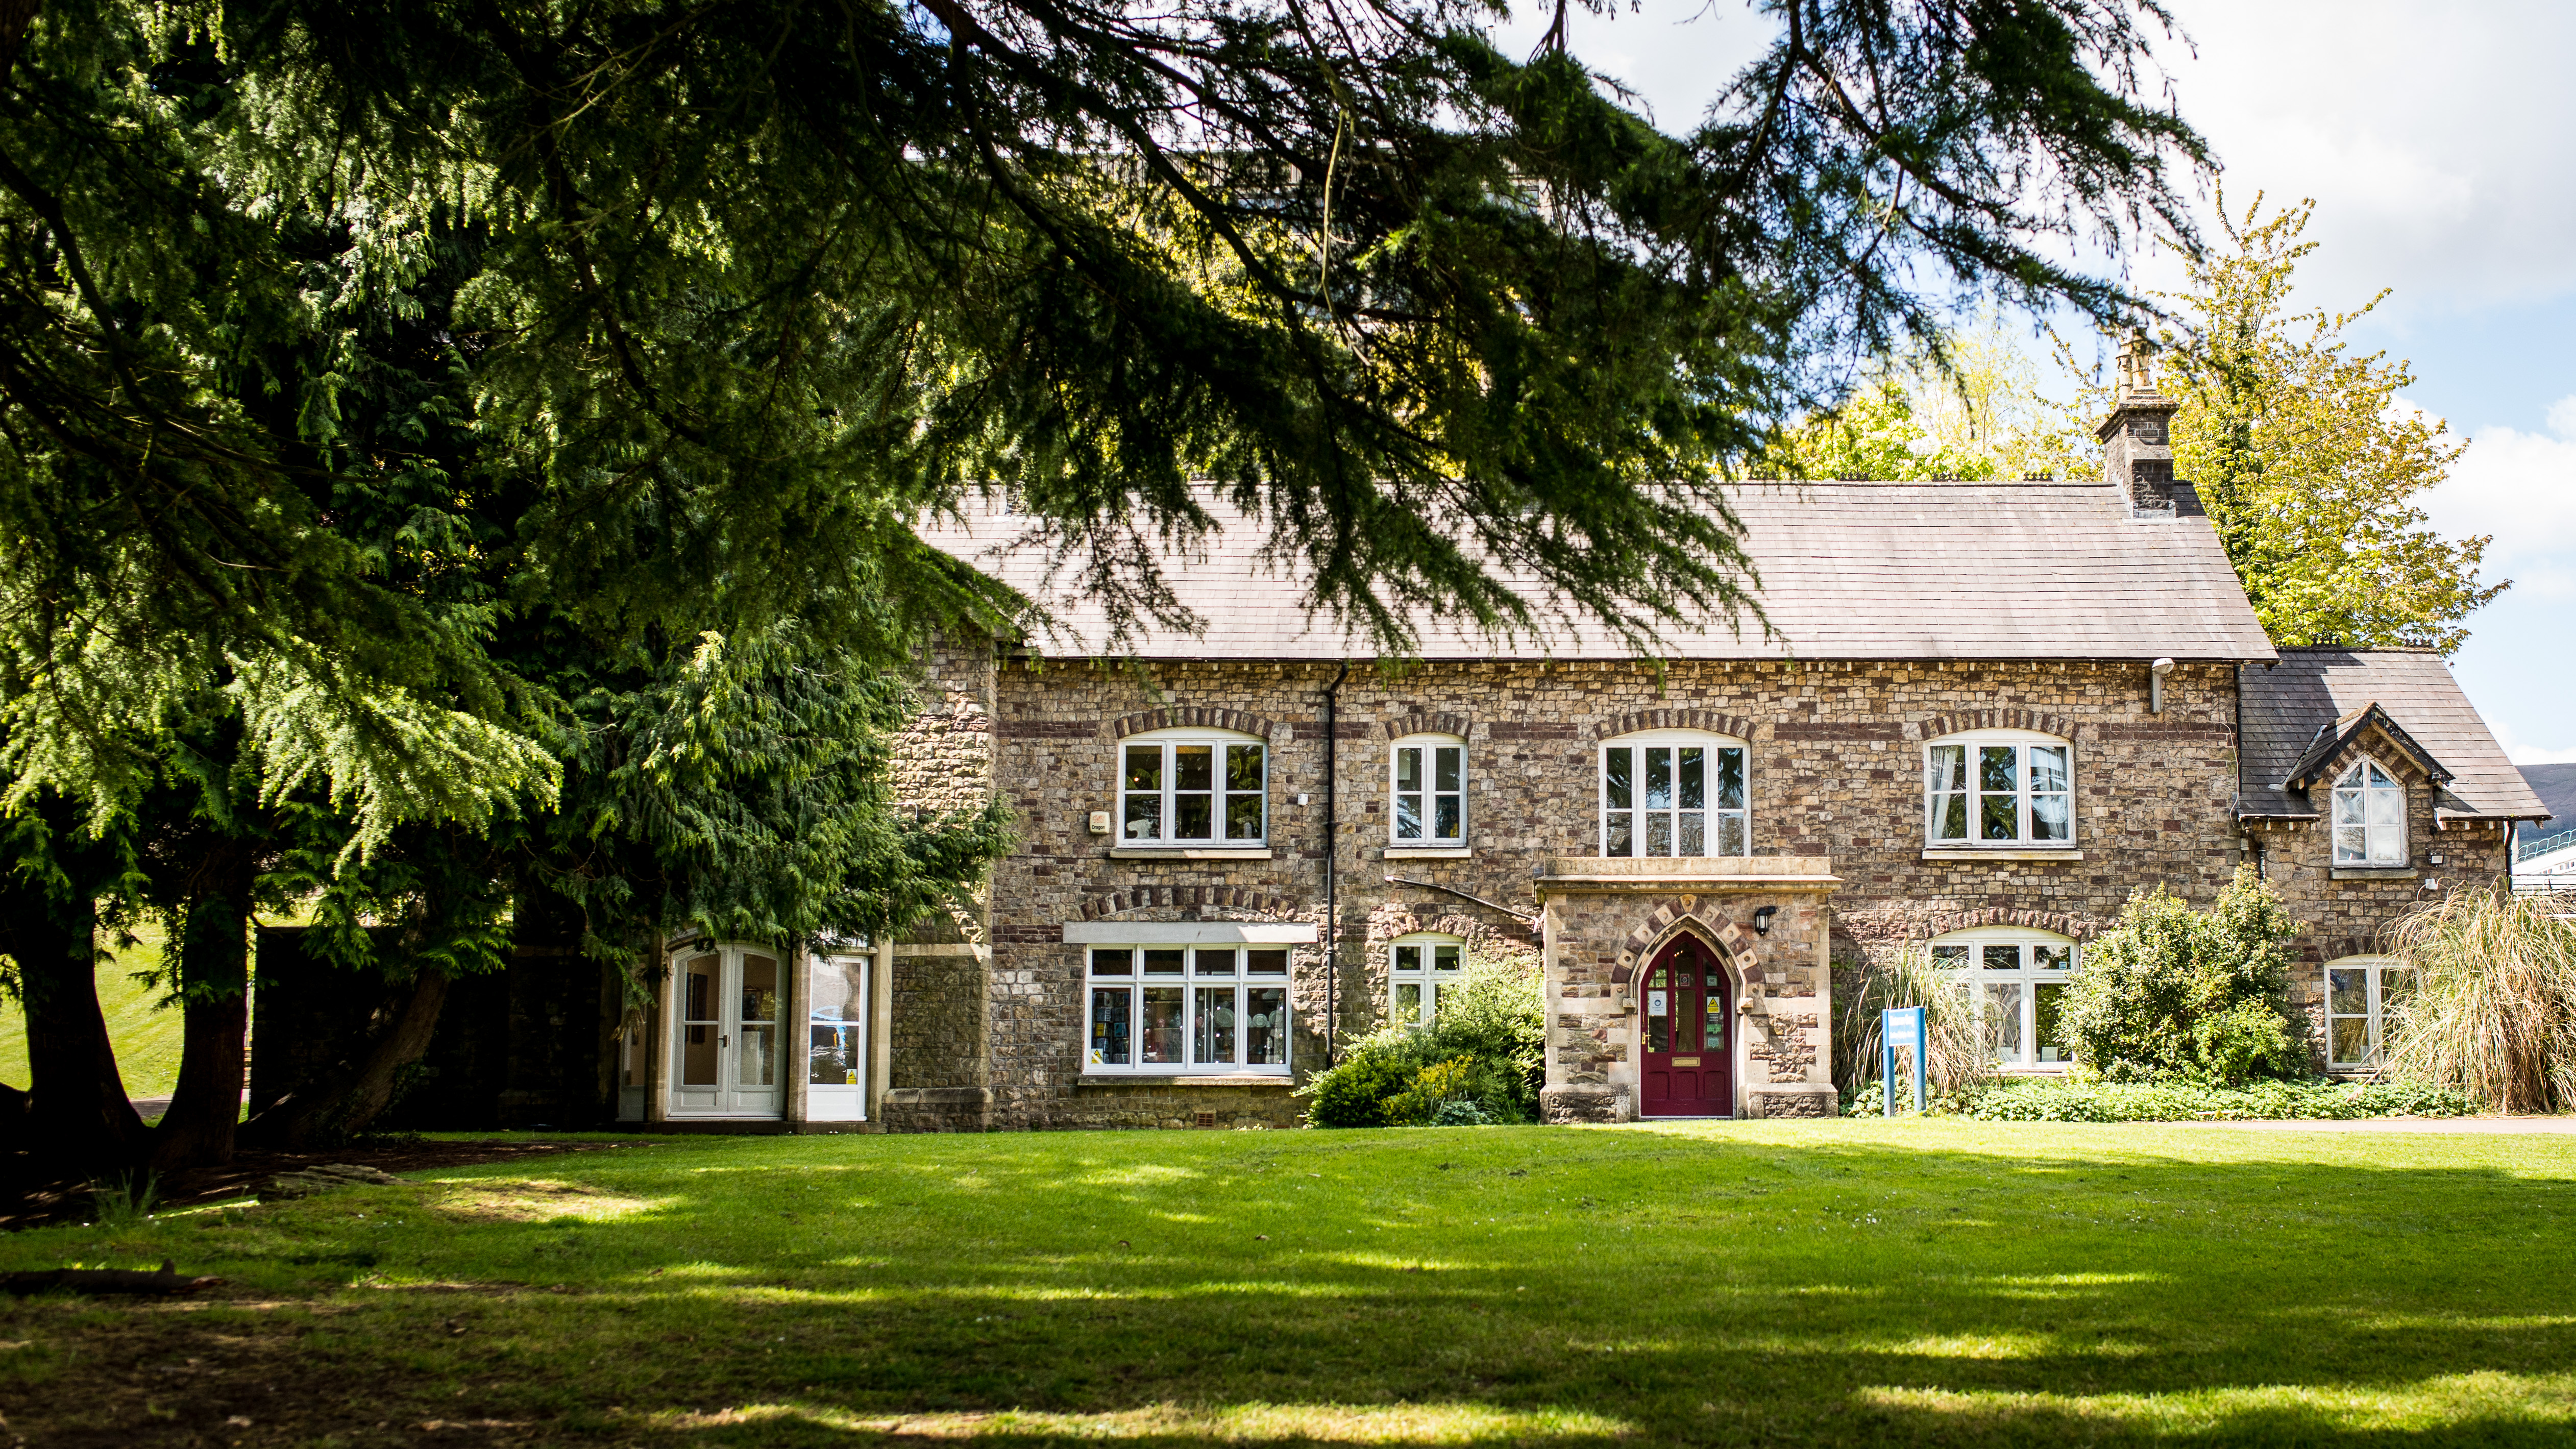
1999, 788
1193, 787
2017, 979
2369, 817
1675, 793
1428, 791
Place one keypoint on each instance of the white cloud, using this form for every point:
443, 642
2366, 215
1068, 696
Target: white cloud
2436, 137
2520, 487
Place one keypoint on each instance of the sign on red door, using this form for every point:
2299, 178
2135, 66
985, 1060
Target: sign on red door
1685, 1016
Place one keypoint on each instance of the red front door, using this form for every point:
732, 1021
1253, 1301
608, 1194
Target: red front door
1686, 1014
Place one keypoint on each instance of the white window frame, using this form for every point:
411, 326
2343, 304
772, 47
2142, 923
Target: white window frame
1167, 794
1251, 984
2354, 790
1972, 744
1986, 984
1637, 815
2374, 971
1419, 967
1427, 748
844, 1100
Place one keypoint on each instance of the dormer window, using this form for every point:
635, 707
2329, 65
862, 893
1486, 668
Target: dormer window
2369, 817
1999, 788
1193, 787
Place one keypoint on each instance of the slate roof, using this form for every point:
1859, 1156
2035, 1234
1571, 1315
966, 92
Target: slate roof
1850, 570
2325, 692
2556, 787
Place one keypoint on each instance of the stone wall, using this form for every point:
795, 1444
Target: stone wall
1836, 771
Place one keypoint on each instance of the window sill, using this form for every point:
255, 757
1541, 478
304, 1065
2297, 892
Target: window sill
1428, 852
2374, 872
2035, 852
1189, 852
1184, 1079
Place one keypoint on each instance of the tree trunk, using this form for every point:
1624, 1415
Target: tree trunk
214, 987
78, 1120
327, 1112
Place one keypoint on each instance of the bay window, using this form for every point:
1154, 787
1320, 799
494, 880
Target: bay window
1674, 793
2003, 788
1186, 787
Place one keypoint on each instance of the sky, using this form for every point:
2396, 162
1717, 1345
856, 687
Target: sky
2439, 141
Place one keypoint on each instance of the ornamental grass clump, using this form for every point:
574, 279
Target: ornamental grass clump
2493, 1005
2171, 994
1957, 1060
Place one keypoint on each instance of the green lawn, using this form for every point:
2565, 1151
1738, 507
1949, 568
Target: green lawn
1834, 1283
146, 1037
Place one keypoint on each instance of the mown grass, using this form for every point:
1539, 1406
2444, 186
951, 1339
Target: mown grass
147, 1036
1831, 1283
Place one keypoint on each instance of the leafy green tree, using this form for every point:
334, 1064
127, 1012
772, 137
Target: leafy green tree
752, 288
1967, 404
405, 386
2174, 994
2311, 470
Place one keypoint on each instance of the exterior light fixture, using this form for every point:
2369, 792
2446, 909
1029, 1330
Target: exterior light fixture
1762, 920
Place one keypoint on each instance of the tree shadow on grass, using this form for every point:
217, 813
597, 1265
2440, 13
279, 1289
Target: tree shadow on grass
1465, 1287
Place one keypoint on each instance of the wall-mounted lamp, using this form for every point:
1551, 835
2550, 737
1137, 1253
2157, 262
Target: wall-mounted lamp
1762, 920
2156, 673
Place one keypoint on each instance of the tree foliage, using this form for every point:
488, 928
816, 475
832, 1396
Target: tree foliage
723, 300
2310, 466
1969, 406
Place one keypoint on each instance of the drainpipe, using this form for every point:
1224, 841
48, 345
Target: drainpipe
1332, 852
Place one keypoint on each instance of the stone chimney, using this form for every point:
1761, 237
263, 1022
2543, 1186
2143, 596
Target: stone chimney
2137, 438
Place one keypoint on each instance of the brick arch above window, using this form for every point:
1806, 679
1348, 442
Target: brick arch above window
1635, 721
1191, 717
1426, 722
2078, 928
2321, 949
1999, 719
1183, 897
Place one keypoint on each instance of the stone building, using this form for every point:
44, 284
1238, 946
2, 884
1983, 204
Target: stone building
1972, 719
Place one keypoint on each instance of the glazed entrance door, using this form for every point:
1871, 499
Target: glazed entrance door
1686, 1068
724, 1033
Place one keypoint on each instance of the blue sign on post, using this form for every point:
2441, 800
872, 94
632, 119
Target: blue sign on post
1904, 1026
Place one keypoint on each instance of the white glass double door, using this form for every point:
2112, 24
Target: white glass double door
725, 1005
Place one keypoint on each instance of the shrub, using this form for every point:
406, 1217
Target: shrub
1957, 1059
1354, 1091
1436, 1088
1485, 1050
2493, 1005
2317, 1099
2177, 995
1497, 1015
